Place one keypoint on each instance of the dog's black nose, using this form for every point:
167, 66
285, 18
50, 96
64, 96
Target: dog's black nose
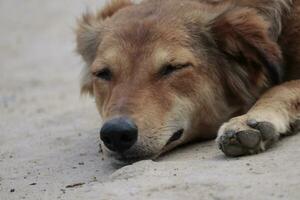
119, 134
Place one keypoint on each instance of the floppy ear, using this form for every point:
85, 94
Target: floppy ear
242, 35
88, 37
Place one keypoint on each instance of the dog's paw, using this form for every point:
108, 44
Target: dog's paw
244, 136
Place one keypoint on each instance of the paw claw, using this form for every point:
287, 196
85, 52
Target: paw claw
252, 123
229, 138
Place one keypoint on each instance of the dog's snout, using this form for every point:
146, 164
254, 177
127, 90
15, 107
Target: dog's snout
119, 134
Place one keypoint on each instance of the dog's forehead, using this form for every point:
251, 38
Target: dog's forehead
142, 28
145, 24
143, 40
146, 36
146, 33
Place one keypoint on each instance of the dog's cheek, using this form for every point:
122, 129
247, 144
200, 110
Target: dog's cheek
195, 87
184, 85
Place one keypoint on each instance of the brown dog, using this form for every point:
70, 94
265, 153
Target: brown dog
167, 72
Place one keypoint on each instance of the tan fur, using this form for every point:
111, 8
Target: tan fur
233, 51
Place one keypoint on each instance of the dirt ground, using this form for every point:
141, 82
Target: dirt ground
49, 135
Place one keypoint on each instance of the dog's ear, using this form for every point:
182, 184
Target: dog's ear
113, 6
88, 37
89, 28
243, 36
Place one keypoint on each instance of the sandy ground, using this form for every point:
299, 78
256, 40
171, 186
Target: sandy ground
49, 135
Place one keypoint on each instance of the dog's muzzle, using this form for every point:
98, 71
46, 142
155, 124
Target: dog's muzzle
119, 134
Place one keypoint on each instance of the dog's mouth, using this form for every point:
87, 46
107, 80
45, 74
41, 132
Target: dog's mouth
176, 136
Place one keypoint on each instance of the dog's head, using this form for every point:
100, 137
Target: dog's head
164, 73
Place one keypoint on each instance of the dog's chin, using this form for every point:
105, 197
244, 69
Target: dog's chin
130, 158
123, 161
137, 153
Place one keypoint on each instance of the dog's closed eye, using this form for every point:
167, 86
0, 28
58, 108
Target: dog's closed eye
171, 68
104, 74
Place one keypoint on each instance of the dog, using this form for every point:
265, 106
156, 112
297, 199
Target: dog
169, 72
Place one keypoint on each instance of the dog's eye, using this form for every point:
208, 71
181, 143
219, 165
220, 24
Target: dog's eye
170, 68
104, 74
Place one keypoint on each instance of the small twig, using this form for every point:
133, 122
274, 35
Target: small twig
75, 185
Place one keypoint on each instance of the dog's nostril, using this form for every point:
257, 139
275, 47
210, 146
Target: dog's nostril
176, 136
126, 138
106, 140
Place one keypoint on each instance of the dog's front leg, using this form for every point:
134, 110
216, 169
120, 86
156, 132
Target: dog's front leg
275, 113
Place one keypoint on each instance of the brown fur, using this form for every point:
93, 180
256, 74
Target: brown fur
113, 6
235, 51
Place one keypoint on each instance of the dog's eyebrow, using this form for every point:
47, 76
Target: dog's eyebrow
109, 56
97, 64
179, 56
162, 56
